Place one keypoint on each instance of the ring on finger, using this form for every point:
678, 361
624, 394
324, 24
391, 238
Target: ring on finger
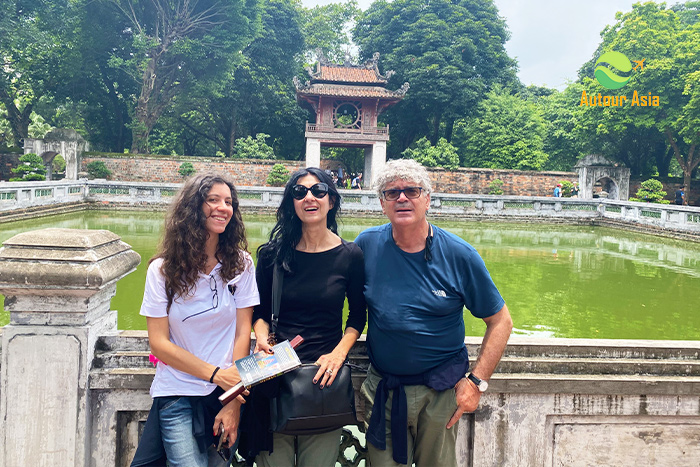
329, 371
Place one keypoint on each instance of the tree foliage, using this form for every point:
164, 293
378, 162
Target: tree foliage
651, 191
186, 169
98, 169
451, 53
443, 154
258, 95
253, 148
31, 167
327, 28
36, 56
506, 133
279, 175
177, 43
668, 40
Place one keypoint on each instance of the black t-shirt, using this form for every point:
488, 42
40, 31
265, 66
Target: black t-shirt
313, 296
679, 196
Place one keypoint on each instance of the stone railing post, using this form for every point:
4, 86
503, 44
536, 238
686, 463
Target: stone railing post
58, 284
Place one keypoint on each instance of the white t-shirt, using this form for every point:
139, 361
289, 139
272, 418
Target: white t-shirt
196, 325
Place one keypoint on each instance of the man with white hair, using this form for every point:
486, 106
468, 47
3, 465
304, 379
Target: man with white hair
418, 280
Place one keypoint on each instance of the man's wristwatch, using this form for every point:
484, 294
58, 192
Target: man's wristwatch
480, 383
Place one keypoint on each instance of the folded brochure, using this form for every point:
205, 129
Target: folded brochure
259, 367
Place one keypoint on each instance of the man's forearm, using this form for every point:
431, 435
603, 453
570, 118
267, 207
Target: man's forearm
498, 329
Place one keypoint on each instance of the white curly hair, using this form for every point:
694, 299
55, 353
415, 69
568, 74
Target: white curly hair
402, 169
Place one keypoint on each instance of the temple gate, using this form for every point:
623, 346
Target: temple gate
347, 100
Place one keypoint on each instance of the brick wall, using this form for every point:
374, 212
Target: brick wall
515, 182
8, 162
252, 172
148, 169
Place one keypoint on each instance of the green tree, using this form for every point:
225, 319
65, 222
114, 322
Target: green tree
668, 40
258, 96
31, 167
443, 154
179, 43
562, 142
98, 169
451, 53
253, 148
36, 55
186, 169
58, 165
326, 27
496, 187
651, 191
279, 175
507, 133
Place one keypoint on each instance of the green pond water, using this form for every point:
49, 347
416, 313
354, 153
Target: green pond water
558, 281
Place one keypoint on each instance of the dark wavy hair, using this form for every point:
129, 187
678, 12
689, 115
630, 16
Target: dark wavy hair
182, 245
287, 231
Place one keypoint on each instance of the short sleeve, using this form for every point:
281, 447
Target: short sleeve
155, 301
246, 287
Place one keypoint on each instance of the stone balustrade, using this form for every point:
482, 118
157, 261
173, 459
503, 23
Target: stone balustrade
74, 390
23, 199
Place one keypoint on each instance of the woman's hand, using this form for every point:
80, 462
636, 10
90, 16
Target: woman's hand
230, 417
262, 332
262, 345
228, 378
329, 366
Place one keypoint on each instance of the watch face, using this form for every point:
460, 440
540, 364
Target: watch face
483, 386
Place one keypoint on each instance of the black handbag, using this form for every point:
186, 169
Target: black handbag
301, 407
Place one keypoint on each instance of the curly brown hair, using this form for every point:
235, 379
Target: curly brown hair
182, 245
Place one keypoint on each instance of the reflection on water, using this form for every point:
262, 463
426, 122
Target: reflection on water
558, 281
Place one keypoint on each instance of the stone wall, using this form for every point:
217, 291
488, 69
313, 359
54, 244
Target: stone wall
74, 390
515, 182
251, 172
8, 161
245, 172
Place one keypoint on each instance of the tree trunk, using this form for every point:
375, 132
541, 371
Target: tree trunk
449, 128
436, 129
687, 163
19, 119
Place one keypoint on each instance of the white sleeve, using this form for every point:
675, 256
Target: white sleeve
246, 293
155, 301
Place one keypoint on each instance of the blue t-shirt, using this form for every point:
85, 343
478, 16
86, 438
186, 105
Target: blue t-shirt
415, 307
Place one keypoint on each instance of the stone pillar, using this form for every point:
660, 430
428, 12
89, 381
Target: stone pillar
58, 284
375, 158
313, 152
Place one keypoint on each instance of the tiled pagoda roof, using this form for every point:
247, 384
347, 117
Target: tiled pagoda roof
348, 80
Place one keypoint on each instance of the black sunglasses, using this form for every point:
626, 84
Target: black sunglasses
411, 192
319, 190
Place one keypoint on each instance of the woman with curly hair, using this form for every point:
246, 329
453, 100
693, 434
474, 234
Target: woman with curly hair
199, 299
320, 270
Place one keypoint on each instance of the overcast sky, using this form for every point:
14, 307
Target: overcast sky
551, 39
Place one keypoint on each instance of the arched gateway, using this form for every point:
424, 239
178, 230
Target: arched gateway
347, 100
68, 143
611, 179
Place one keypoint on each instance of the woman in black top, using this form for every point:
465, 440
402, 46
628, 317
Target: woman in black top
320, 270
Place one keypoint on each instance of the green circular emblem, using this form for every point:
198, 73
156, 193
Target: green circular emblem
606, 77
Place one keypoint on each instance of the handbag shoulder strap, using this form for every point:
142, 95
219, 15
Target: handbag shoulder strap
277, 278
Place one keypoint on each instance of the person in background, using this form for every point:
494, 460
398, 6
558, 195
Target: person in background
575, 190
557, 191
198, 303
419, 278
357, 182
320, 270
680, 195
